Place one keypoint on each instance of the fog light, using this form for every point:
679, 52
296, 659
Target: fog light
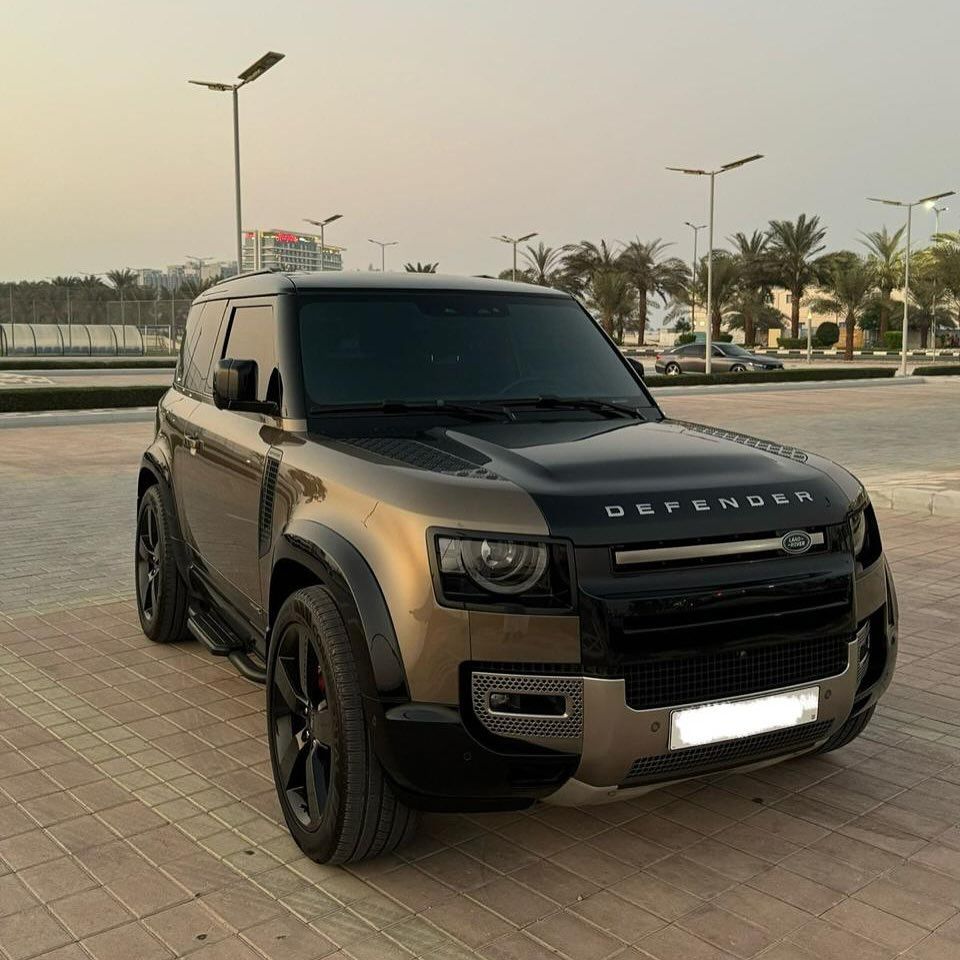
528, 704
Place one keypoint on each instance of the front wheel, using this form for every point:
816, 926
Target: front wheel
738, 368
335, 798
672, 370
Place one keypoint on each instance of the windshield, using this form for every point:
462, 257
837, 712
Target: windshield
734, 350
366, 347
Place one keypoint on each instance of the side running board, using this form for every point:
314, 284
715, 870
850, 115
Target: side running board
222, 642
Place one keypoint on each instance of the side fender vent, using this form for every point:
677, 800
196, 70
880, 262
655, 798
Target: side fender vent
268, 492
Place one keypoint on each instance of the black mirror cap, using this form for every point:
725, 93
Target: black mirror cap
637, 366
234, 381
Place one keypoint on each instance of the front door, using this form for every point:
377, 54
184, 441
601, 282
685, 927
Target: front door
224, 500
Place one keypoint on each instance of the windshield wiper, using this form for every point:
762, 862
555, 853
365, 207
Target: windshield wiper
577, 403
465, 410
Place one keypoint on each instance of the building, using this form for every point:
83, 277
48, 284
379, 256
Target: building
149, 277
288, 250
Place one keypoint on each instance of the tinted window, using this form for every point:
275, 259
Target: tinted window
366, 347
252, 337
188, 343
695, 350
199, 343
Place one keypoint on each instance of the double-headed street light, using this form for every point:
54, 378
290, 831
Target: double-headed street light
712, 174
383, 244
906, 272
503, 238
255, 70
696, 228
323, 243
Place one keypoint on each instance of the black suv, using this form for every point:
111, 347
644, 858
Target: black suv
476, 566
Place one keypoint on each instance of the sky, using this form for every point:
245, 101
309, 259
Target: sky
440, 123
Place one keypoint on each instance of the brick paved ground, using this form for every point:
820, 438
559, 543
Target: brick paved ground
138, 818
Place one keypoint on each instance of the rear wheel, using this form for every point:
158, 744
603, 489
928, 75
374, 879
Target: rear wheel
335, 798
848, 732
161, 593
672, 369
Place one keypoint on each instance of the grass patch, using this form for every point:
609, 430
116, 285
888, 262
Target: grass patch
774, 376
30, 399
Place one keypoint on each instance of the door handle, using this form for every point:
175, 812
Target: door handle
191, 443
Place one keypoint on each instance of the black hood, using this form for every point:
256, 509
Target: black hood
602, 482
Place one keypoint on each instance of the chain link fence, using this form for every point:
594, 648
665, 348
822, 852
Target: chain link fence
50, 316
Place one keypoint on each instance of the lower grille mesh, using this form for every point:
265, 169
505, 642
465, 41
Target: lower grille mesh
730, 752
732, 672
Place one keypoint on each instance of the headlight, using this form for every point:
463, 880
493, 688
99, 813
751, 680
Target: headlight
490, 570
858, 530
865, 536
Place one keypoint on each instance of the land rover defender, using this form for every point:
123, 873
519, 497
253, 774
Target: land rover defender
476, 566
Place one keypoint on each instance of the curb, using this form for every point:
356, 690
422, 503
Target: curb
940, 503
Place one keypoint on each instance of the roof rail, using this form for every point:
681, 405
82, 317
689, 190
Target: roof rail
248, 273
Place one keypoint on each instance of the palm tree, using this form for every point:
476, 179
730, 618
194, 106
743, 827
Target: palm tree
757, 274
849, 283
793, 245
419, 267
192, 287
654, 275
885, 255
544, 263
726, 287
122, 280
611, 295
585, 259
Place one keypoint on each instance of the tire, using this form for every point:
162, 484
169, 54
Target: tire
338, 805
672, 370
848, 732
161, 592
738, 368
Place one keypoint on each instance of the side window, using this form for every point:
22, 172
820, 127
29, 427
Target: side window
188, 343
196, 364
718, 352
698, 350
252, 336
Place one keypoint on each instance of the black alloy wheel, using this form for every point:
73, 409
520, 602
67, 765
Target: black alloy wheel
302, 726
336, 798
149, 562
161, 592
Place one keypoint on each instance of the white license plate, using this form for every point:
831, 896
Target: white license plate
734, 719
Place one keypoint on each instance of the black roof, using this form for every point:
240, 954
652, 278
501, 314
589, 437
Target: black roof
267, 282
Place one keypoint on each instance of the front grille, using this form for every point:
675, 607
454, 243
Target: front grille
696, 760
732, 672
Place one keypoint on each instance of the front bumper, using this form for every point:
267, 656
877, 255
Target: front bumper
599, 748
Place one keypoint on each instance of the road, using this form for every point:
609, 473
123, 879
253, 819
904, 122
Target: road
124, 377
138, 817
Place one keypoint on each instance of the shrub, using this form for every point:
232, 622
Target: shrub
827, 334
774, 376
893, 339
28, 399
938, 370
685, 338
85, 363
792, 343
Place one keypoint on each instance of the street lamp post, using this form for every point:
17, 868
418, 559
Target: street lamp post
383, 244
252, 72
933, 321
906, 271
696, 228
712, 174
323, 243
503, 238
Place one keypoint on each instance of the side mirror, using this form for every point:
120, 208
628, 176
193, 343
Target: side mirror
637, 366
235, 388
